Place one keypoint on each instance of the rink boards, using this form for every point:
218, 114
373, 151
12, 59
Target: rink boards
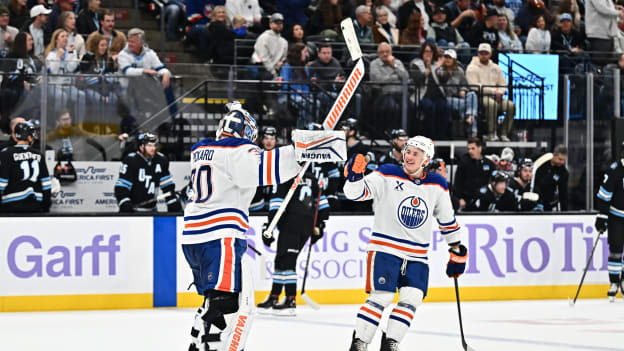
67, 263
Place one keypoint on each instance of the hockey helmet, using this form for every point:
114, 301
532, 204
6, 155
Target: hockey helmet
269, 131
348, 124
507, 154
238, 123
498, 177
147, 138
23, 130
526, 163
423, 143
398, 133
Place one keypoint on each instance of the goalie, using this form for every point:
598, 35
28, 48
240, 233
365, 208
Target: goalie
225, 173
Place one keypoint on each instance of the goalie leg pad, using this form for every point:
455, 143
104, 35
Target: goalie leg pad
401, 316
370, 313
216, 305
239, 323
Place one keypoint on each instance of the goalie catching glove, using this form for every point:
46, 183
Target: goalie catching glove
457, 263
355, 168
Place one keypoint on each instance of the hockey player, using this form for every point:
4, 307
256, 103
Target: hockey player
520, 186
611, 206
295, 227
395, 154
224, 175
552, 180
140, 174
495, 196
405, 201
24, 181
268, 142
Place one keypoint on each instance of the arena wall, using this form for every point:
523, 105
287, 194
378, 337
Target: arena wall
111, 262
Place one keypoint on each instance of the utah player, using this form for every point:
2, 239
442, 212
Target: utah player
405, 201
224, 175
24, 181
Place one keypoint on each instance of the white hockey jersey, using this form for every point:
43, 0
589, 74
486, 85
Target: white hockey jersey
404, 210
224, 175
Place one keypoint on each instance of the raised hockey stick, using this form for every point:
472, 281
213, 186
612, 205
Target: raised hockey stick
334, 114
572, 302
538, 163
461, 326
306, 298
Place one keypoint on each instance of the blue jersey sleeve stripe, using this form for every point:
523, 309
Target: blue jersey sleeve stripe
122, 185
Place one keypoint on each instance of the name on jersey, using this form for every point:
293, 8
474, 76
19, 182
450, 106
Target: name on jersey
26, 156
203, 155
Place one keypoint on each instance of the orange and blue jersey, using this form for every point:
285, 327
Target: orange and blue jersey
405, 208
224, 176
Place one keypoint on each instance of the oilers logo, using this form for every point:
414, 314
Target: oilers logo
413, 212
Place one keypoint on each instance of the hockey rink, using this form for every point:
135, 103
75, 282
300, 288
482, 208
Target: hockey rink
593, 324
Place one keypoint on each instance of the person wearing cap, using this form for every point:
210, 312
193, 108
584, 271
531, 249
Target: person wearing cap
7, 33
443, 33
485, 74
538, 40
38, 29
565, 38
383, 30
486, 32
271, 48
458, 96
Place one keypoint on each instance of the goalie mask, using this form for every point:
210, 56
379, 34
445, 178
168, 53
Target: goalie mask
238, 123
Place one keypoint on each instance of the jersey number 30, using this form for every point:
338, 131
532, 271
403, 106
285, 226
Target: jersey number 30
201, 178
28, 175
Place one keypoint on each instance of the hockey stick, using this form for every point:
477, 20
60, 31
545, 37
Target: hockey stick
306, 298
572, 302
461, 327
538, 163
263, 268
152, 200
334, 114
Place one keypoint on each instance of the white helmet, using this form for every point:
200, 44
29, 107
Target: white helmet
423, 143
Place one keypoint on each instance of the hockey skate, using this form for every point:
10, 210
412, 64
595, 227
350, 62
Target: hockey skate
388, 344
357, 344
286, 308
613, 290
267, 306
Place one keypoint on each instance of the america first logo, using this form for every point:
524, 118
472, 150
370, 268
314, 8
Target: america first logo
413, 212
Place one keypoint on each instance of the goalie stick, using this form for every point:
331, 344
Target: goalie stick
334, 114
538, 163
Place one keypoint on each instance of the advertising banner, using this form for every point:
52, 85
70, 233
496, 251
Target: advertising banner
87, 255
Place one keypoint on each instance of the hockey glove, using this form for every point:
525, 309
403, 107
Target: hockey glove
267, 241
531, 197
355, 168
126, 207
319, 231
601, 223
457, 263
